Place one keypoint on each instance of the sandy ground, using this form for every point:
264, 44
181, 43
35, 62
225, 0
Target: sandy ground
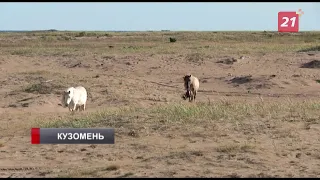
145, 70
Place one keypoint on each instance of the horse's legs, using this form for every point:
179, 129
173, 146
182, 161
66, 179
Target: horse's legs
191, 96
74, 107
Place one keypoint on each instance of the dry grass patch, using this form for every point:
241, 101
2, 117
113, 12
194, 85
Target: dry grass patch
67, 43
184, 114
235, 148
45, 82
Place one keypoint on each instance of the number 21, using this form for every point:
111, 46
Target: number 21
285, 23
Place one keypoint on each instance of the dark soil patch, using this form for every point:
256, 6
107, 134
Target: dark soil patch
253, 83
241, 80
311, 64
44, 88
227, 61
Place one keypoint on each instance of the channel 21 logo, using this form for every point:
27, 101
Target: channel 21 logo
289, 21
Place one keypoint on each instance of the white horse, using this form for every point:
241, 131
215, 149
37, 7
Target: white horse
73, 97
191, 84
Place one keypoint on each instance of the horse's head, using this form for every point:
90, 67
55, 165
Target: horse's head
67, 96
187, 83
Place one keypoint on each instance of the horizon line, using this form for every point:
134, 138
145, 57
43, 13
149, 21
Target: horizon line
55, 30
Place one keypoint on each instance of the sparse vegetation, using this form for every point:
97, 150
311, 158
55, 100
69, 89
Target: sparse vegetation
43, 88
227, 112
256, 113
234, 148
239, 42
315, 48
81, 34
172, 39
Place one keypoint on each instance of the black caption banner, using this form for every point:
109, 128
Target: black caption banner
72, 136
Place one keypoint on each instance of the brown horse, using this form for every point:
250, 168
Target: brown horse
191, 84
